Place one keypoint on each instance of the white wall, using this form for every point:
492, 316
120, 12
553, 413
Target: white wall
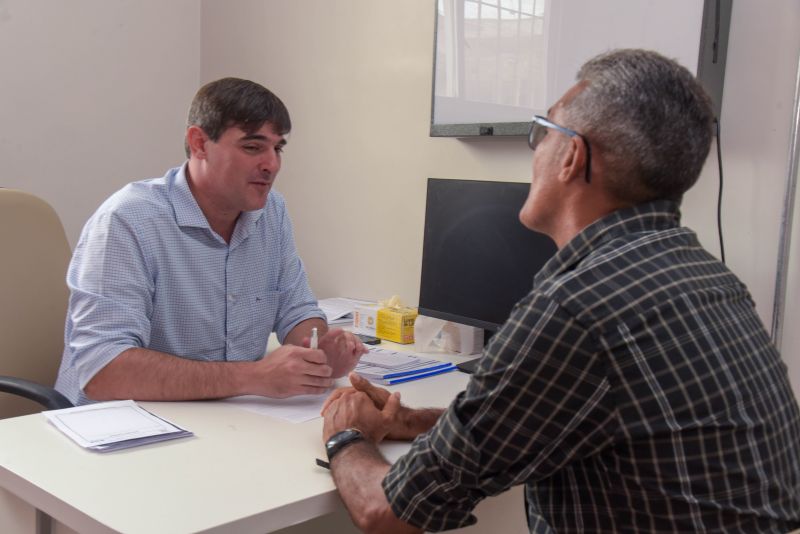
757, 108
93, 94
356, 76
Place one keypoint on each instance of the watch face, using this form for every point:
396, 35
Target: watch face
341, 439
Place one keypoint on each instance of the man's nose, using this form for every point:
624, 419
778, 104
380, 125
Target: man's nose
270, 163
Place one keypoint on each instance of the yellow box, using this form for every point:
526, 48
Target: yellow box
396, 324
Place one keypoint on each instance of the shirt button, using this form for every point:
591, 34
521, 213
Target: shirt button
231, 298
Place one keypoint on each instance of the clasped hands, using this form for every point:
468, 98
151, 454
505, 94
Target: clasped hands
377, 413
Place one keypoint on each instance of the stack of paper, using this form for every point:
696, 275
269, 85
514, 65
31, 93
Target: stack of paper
339, 310
390, 367
111, 426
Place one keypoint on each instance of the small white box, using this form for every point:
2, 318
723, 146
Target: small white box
365, 318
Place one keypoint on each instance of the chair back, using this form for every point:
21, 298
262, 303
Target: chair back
34, 255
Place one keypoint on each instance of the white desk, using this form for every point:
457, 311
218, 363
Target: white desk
241, 473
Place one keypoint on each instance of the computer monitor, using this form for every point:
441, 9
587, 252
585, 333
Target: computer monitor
478, 260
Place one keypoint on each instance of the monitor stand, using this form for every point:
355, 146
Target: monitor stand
468, 366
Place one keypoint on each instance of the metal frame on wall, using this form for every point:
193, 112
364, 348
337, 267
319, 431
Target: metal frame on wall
784, 241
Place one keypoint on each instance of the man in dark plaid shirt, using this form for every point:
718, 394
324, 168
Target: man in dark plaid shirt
635, 388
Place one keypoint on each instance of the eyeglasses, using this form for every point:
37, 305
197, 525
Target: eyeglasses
539, 126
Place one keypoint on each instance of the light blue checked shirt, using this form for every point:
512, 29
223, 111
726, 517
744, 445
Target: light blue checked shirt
149, 272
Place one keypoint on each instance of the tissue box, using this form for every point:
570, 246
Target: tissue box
365, 319
396, 324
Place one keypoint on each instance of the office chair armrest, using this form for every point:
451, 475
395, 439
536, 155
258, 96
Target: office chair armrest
46, 396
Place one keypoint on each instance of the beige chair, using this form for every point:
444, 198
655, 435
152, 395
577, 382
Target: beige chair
34, 254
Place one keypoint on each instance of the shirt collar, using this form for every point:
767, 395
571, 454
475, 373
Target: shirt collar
245, 224
188, 212
647, 217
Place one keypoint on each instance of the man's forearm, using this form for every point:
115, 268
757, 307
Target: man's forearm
413, 422
144, 374
358, 472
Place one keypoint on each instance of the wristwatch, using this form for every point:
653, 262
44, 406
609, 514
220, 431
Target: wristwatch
342, 439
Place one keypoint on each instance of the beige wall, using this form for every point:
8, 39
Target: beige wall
356, 76
93, 95
756, 119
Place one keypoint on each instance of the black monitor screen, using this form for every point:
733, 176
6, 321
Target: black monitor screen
477, 258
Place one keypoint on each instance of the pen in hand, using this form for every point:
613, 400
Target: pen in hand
314, 339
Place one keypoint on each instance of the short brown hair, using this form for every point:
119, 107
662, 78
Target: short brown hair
227, 102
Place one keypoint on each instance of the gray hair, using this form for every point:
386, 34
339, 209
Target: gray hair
651, 119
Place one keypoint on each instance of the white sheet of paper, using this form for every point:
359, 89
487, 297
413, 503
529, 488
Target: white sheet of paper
106, 423
339, 310
388, 359
293, 409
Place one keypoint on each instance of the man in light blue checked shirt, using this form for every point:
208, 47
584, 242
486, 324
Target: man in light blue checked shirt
177, 282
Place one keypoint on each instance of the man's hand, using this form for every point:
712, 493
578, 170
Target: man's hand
379, 396
290, 370
359, 470
353, 408
342, 348
405, 423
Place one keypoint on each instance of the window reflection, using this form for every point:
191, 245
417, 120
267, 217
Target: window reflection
490, 52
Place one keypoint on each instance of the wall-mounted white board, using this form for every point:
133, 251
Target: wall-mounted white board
498, 62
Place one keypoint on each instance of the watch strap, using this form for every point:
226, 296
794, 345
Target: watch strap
342, 439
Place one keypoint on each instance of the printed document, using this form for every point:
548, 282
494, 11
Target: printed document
109, 426
388, 367
339, 310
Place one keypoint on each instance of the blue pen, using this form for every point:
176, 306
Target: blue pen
438, 371
389, 376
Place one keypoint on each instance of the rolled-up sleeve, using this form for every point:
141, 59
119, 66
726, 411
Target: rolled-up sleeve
538, 400
111, 298
296, 300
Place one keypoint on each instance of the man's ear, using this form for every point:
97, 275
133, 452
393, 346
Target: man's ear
196, 139
573, 160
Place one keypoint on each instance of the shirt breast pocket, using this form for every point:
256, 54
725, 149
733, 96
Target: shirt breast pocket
255, 322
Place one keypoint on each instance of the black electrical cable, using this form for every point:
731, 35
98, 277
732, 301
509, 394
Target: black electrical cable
719, 198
